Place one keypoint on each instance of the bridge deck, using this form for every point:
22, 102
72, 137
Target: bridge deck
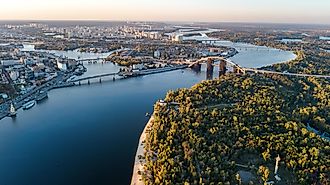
133, 74
95, 76
92, 59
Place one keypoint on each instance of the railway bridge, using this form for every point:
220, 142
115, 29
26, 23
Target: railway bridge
224, 63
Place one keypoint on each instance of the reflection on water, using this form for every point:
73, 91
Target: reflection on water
250, 55
84, 134
257, 56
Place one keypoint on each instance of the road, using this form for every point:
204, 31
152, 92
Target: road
20, 100
285, 73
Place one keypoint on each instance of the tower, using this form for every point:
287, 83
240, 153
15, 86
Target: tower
276, 168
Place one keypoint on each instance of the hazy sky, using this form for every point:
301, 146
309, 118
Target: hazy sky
287, 11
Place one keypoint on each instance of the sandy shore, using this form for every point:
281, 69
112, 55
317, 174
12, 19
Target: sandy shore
138, 164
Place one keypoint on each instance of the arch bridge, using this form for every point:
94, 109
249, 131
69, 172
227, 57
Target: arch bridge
223, 65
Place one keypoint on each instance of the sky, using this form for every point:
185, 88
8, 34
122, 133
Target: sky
272, 11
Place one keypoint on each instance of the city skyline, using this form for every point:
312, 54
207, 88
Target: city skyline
272, 11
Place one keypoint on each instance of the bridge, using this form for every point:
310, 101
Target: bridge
205, 59
286, 73
91, 59
224, 62
208, 41
127, 74
94, 76
259, 48
101, 58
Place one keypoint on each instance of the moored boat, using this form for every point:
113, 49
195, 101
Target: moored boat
41, 96
28, 105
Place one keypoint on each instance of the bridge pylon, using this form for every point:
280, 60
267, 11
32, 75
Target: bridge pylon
209, 69
222, 67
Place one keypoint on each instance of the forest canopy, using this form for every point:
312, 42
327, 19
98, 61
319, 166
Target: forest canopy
238, 124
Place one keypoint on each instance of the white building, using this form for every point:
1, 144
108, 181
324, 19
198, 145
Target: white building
62, 66
178, 38
3, 95
138, 67
157, 54
10, 62
14, 75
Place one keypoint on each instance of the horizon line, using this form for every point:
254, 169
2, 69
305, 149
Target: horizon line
167, 21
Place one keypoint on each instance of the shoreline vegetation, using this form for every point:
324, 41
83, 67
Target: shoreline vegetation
201, 142
139, 162
232, 128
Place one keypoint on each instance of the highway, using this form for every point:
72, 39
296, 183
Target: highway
286, 73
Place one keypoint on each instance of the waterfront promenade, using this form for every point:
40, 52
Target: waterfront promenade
139, 162
31, 95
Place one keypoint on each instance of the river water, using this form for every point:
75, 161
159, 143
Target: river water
257, 56
88, 134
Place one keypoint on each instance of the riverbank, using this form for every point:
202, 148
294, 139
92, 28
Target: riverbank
19, 101
139, 163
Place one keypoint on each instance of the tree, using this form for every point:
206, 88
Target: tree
264, 172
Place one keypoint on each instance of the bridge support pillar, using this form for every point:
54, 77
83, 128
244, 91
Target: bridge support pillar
88, 82
197, 67
209, 69
79, 83
222, 67
113, 78
100, 80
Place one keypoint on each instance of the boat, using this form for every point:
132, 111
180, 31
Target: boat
41, 96
147, 114
28, 105
12, 111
